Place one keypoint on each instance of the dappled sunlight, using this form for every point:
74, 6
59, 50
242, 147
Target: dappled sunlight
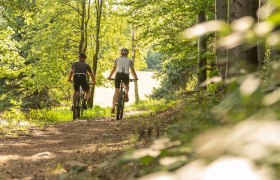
231, 40
155, 149
36, 157
204, 28
243, 24
271, 98
233, 168
104, 147
168, 161
262, 29
262, 134
5, 158
249, 85
265, 11
160, 176
192, 171
274, 38
238, 152
215, 79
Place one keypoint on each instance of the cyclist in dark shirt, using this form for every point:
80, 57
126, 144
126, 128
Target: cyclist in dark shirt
79, 72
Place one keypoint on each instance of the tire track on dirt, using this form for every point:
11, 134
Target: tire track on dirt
40, 154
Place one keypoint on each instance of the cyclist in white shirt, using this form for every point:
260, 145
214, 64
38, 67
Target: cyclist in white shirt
122, 66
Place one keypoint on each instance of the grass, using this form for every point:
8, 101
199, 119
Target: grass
15, 121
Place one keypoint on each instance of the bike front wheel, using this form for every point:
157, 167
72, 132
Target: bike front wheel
120, 106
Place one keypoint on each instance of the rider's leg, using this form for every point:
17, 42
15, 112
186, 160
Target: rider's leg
75, 94
117, 90
87, 95
126, 99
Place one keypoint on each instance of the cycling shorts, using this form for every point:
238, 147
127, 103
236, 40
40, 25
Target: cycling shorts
80, 80
121, 76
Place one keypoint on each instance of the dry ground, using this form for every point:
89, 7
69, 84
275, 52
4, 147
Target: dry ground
42, 152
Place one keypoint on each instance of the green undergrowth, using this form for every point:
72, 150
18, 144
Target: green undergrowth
167, 148
17, 121
152, 105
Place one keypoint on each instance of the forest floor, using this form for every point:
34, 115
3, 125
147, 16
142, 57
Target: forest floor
44, 153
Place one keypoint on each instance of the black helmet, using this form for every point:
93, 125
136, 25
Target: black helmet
82, 55
125, 50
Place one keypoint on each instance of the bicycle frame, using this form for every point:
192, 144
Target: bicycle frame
77, 104
120, 101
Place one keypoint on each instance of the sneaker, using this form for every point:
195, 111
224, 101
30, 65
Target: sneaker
84, 105
126, 99
113, 110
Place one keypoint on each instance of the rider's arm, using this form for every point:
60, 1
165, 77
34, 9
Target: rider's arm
91, 74
92, 77
134, 73
113, 70
70, 75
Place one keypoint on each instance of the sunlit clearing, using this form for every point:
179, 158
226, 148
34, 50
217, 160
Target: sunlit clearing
242, 24
215, 79
160, 176
271, 98
263, 28
265, 11
230, 41
250, 85
203, 28
273, 39
231, 168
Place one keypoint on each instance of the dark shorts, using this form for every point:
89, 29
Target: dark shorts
80, 80
121, 76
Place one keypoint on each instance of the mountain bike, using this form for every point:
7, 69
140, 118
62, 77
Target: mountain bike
78, 109
120, 100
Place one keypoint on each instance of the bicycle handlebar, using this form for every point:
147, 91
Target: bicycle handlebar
131, 80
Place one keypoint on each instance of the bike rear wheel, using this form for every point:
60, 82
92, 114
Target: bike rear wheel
120, 106
76, 109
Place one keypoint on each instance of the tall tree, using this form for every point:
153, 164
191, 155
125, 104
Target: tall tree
221, 11
202, 58
98, 10
242, 57
260, 46
133, 58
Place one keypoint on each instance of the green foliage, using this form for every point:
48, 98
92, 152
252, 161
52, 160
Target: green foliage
154, 60
151, 105
175, 58
174, 148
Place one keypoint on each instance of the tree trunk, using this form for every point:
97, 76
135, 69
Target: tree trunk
202, 43
275, 52
261, 46
82, 27
252, 53
133, 60
86, 27
221, 8
98, 8
241, 57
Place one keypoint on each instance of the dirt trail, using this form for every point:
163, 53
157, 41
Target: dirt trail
39, 154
